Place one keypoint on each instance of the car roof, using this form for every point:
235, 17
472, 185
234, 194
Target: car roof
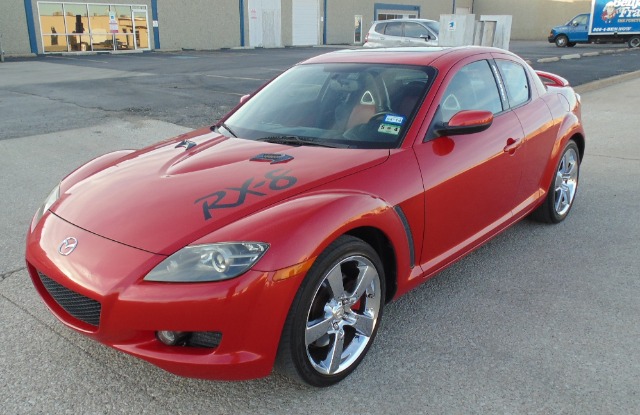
403, 55
405, 20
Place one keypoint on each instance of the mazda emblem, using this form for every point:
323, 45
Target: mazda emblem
68, 246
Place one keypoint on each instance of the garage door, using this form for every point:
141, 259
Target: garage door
305, 22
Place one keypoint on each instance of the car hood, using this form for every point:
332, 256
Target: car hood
164, 197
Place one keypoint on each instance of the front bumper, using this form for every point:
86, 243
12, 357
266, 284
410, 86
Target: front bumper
248, 310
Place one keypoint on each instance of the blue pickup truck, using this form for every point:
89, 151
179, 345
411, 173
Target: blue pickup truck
610, 21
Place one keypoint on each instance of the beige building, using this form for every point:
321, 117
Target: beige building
120, 26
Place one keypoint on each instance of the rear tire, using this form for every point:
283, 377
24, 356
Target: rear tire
562, 41
634, 42
335, 315
562, 191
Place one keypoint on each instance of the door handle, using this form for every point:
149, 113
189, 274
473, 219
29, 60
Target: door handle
512, 145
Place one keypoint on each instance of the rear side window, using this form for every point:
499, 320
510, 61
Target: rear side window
380, 27
515, 80
393, 29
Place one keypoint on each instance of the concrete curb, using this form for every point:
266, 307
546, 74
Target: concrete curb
583, 55
20, 55
601, 83
547, 60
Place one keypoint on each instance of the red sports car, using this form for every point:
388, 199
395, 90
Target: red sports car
276, 237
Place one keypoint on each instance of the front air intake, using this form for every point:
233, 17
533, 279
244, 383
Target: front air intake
77, 305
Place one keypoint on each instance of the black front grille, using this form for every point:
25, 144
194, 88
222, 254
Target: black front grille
83, 308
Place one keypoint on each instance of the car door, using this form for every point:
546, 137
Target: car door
578, 28
537, 124
393, 34
470, 181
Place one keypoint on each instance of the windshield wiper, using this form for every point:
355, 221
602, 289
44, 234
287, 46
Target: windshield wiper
226, 127
294, 140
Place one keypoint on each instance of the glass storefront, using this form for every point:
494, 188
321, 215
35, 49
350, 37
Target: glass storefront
79, 27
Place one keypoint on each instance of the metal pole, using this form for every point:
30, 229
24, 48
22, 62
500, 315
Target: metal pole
453, 11
1, 50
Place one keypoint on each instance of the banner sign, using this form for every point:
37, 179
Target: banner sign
615, 16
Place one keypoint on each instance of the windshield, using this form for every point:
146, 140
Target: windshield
337, 105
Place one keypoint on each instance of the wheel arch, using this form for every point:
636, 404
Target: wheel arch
384, 248
580, 142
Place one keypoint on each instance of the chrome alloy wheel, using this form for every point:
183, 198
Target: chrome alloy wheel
343, 315
566, 182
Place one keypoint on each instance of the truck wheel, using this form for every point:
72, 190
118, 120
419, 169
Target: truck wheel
634, 42
571, 44
562, 41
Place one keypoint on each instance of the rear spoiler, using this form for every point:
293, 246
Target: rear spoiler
550, 79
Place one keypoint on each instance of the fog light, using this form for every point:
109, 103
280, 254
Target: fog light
171, 338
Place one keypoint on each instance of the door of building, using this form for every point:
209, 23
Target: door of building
305, 22
141, 28
265, 23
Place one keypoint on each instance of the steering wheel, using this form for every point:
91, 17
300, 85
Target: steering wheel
365, 132
379, 114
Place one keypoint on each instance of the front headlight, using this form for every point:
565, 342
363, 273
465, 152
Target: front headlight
211, 262
50, 200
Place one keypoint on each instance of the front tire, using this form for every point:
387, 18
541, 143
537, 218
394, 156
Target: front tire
562, 41
634, 42
562, 191
334, 316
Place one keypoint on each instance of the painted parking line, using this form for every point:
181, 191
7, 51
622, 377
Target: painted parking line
226, 93
76, 59
236, 77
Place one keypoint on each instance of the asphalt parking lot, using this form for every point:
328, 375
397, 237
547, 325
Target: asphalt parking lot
542, 320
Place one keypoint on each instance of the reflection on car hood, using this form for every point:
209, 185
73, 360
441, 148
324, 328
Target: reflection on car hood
164, 197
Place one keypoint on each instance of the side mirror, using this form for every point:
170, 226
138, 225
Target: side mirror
466, 122
425, 37
244, 98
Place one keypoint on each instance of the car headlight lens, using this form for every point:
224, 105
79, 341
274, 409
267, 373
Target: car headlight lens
50, 200
211, 262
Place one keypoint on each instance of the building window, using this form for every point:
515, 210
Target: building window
78, 27
388, 16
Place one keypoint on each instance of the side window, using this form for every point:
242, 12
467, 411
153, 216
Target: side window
393, 29
580, 20
515, 80
472, 88
414, 30
380, 27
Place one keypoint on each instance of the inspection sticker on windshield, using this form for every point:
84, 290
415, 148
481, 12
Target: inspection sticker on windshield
394, 119
389, 129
